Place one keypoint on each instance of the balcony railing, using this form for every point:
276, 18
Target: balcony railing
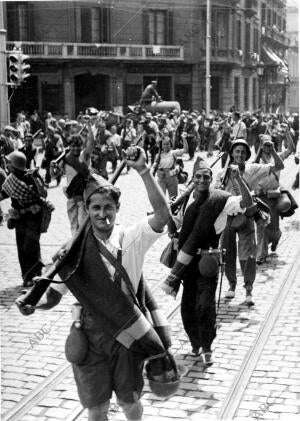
224, 55
53, 50
275, 35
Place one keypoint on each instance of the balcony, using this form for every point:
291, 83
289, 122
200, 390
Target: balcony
224, 56
72, 51
251, 60
274, 35
251, 8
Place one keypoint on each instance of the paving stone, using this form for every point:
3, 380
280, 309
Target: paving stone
57, 413
50, 403
230, 347
15, 397
175, 414
285, 409
37, 410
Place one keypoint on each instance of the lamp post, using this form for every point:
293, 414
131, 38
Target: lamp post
285, 88
260, 67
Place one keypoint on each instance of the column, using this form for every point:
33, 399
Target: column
197, 83
69, 93
4, 106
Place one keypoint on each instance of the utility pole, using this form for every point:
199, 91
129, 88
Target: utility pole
4, 106
208, 39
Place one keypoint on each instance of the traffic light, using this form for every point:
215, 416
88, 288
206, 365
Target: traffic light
18, 68
14, 67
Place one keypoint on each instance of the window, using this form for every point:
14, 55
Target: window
274, 18
269, 17
255, 40
236, 91
95, 24
246, 93
86, 24
19, 16
279, 24
263, 14
158, 27
219, 29
239, 35
248, 38
254, 93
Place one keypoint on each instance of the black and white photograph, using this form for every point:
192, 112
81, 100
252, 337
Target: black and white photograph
149, 210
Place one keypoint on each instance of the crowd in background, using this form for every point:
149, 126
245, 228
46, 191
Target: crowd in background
204, 132
96, 138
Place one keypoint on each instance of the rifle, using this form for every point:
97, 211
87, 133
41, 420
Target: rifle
33, 296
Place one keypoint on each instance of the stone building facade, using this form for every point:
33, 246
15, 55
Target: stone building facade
103, 53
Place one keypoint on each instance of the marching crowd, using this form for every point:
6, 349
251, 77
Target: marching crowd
239, 211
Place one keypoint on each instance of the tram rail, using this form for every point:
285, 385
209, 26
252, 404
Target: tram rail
230, 404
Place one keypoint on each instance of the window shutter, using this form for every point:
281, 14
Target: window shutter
86, 24
170, 35
145, 27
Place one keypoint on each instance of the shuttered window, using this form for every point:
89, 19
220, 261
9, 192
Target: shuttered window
158, 27
95, 24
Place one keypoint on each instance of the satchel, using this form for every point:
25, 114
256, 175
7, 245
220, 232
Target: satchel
47, 209
76, 186
44, 163
238, 221
169, 254
182, 176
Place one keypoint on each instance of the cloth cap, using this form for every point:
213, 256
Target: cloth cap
201, 164
95, 183
148, 115
93, 111
241, 142
265, 138
153, 81
28, 136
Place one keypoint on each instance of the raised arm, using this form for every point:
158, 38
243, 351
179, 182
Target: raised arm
90, 142
278, 163
247, 200
161, 214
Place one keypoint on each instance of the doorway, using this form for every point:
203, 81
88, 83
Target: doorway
91, 91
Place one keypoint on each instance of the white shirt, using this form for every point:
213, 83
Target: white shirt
239, 130
136, 241
116, 138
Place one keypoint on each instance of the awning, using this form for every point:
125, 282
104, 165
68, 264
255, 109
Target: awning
270, 57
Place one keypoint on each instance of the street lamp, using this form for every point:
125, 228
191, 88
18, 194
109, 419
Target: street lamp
260, 67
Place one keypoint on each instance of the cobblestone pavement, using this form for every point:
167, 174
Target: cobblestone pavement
33, 347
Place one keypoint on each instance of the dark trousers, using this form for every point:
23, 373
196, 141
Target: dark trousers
28, 234
246, 252
150, 146
198, 312
191, 146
